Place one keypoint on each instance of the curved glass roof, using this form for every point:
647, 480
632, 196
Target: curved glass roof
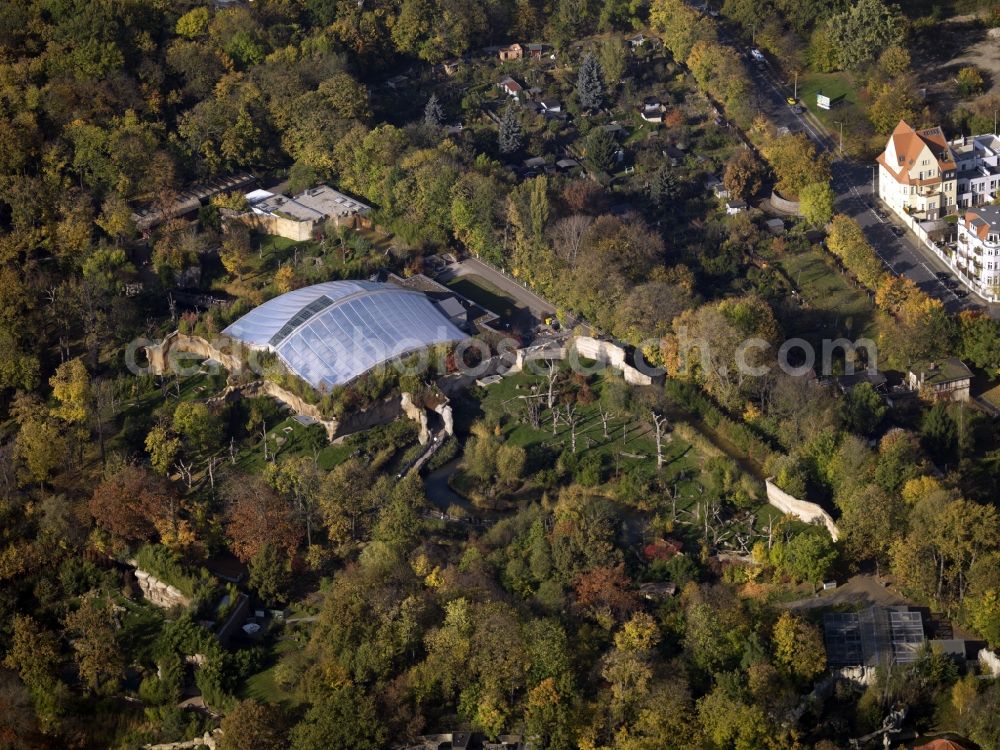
330, 333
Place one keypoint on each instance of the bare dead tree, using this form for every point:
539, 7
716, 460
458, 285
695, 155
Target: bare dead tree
553, 376
572, 419
532, 411
660, 425
210, 465
186, 471
567, 236
605, 416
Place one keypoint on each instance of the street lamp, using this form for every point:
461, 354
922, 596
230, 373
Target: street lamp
841, 136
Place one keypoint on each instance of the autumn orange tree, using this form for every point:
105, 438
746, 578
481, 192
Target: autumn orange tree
257, 516
134, 503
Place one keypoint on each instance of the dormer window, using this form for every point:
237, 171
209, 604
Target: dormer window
991, 237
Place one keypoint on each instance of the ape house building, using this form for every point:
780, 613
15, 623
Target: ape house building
331, 333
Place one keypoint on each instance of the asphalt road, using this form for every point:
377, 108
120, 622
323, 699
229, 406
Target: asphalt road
852, 183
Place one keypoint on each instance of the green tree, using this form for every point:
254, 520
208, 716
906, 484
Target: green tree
163, 448
71, 387
193, 24
969, 80
980, 340
984, 615
809, 556
863, 30
194, 422
99, 657
798, 647
796, 163
938, 433
862, 409
269, 574
34, 655
681, 26
664, 188
601, 149
891, 102
235, 252
816, 203
347, 498
342, 719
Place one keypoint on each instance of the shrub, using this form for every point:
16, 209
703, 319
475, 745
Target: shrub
969, 80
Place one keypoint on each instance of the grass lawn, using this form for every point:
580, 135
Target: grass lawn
287, 438
637, 450
841, 90
263, 686
833, 307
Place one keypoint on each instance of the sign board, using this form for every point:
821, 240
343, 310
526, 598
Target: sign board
823, 102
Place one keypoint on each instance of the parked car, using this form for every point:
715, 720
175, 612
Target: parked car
960, 293
797, 109
898, 231
756, 54
943, 275
792, 100
950, 283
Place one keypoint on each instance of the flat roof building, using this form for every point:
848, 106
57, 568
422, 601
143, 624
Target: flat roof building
298, 217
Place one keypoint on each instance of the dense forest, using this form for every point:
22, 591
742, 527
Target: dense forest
585, 563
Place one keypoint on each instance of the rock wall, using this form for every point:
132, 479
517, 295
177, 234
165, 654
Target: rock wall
784, 205
801, 509
588, 347
418, 415
990, 662
160, 354
447, 417
289, 399
378, 414
159, 593
206, 740
611, 354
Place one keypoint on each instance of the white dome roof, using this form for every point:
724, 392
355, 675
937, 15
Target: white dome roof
330, 333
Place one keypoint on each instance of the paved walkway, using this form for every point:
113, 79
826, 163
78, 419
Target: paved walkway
540, 307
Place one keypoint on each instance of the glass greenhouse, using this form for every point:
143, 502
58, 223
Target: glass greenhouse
330, 333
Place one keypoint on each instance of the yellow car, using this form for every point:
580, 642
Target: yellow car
792, 100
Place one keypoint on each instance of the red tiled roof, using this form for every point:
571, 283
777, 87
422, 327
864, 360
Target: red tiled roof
908, 143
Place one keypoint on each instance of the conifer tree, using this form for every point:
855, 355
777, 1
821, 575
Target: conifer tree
433, 114
590, 84
511, 133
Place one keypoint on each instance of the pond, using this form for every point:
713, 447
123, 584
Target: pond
440, 493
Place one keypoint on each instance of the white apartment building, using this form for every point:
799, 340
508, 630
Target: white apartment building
926, 177
978, 168
917, 173
977, 256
